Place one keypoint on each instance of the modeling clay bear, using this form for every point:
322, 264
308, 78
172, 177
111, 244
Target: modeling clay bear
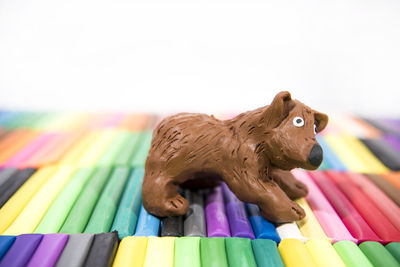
252, 153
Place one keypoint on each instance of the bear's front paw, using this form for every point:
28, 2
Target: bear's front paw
290, 213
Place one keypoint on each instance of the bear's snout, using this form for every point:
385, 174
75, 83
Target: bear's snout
315, 157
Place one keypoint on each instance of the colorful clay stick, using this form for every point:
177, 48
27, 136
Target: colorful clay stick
21, 251
290, 231
5, 243
124, 156
327, 217
18, 201
30, 216
103, 250
217, 221
332, 160
391, 191
386, 154
351, 218
29, 150
237, 217
372, 215
295, 253
131, 251
323, 253
148, 225
139, 157
135, 122
128, 210
309, 226
106, 207
351, 254
380, 199
59, 209
76, 250
172, 226
82, 209
239, 252
13, 184
212, 252
393, 248
187, 252
392, 141
6, 174
378, 255
3, 133
266, 253
6, 116
109, 155
261, 227
13, 143
381, 125
111, 120
96, 149
393, 178
49, 250
160, 252
76, 152
194, 223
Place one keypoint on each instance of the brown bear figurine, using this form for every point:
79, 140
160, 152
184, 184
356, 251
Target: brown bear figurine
252, 153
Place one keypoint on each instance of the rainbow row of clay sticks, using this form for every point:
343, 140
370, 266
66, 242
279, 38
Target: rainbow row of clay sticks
70, 195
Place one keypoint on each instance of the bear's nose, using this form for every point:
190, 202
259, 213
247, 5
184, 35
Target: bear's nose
315, 156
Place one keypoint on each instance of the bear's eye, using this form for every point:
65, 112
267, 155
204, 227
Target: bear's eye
298, 122
315, 129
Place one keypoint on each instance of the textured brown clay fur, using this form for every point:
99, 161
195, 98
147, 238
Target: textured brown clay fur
252, 153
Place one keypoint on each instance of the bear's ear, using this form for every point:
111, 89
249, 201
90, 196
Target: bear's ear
321, 120
279, 109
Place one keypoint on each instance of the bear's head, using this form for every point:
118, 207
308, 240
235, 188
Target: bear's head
289, 129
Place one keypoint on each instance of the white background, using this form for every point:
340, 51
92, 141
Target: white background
126, 55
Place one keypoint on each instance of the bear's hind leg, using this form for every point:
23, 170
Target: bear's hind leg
161, 197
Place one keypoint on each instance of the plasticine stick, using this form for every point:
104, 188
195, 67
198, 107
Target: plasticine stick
351, 255
14, 142
212, 252
20, 199
140, 155
172, 226
124, 156
5, 176
266, 253
21, 251
237, 217
327, 217
135, 122
309, 226
372, 215
128, 210
75, 251
377, 254
261, 227
30, 216
103, 250
323, 253
386, 154
239, 252
5, 243
290, 231
24, 154
13, 184
187, 252
392, 141
330, 157
351, 218
49, 250
131, 252
95, 150
383, 202
391, 191
148, 225
106, 207
58, 211
109, 155
217, 222
160, 252
295, 253
393, 178
393, 248
194, 223
82, 209
76, 152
